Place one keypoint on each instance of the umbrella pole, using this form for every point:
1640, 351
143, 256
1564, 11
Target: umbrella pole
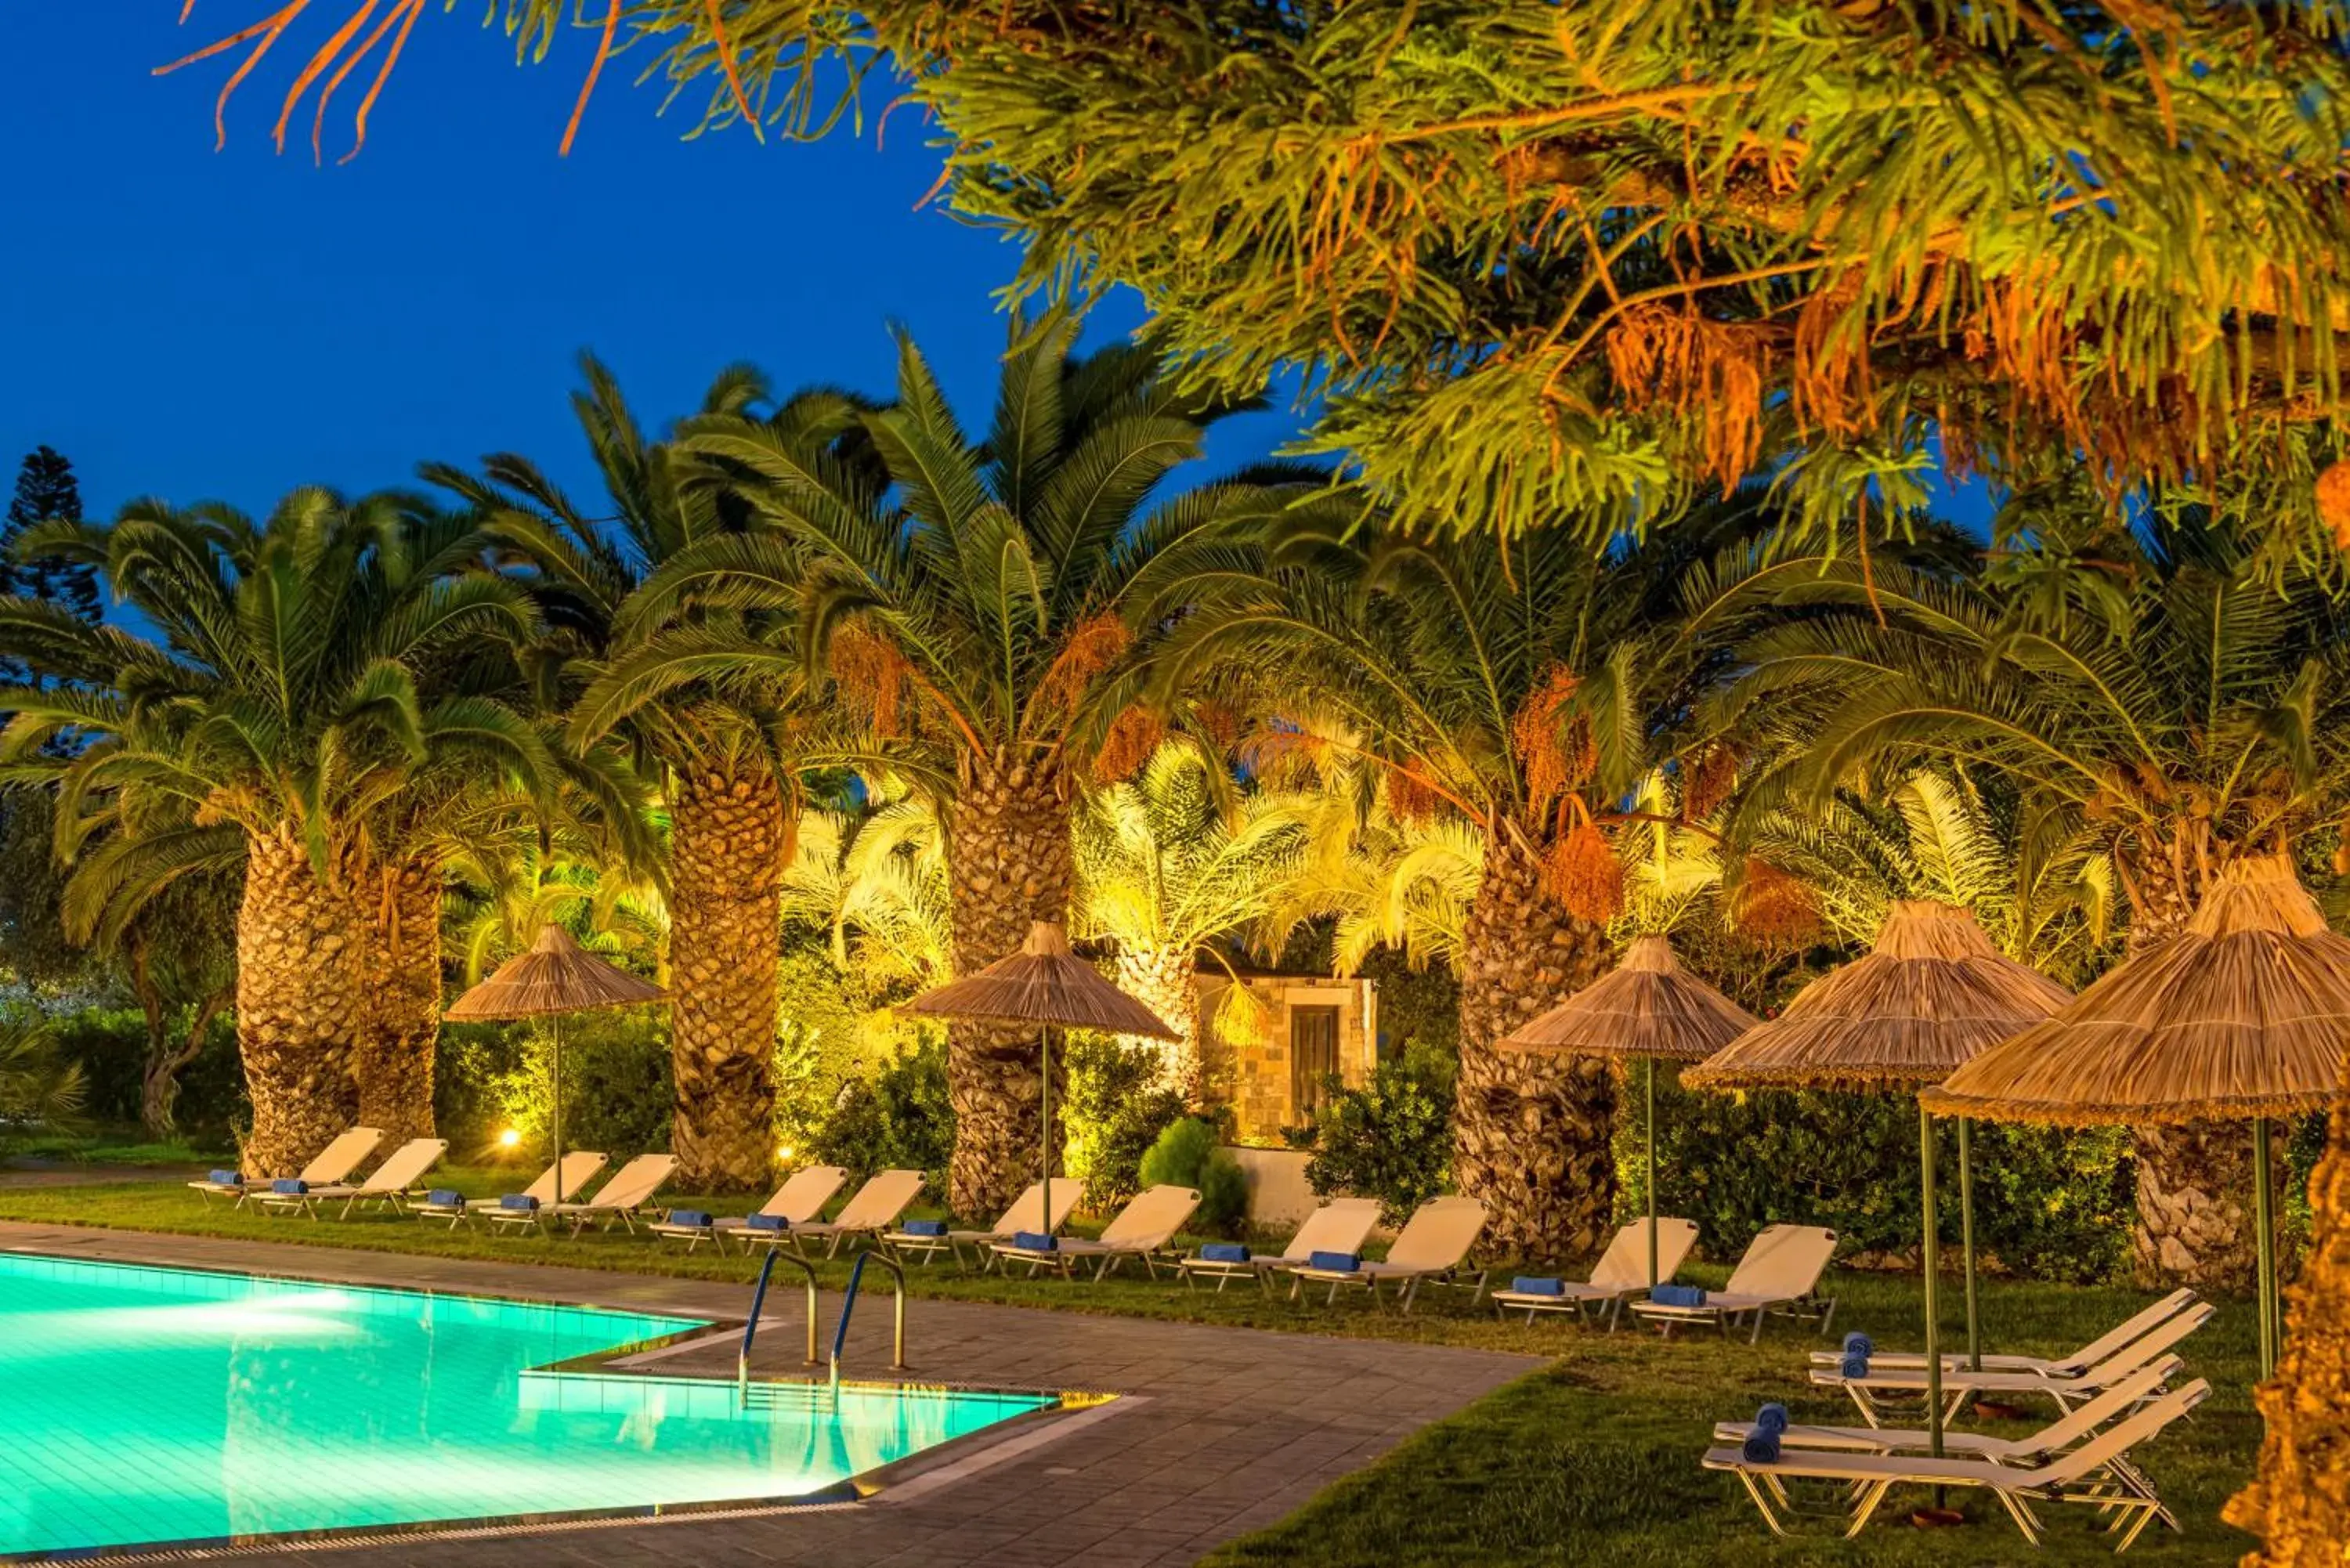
1649, 1063
1044, 1132
1933, 1293
2265, 1218
556, 1023
1967, 1238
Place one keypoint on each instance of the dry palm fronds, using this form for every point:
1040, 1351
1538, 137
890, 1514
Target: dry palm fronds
557, 975
1044, 984
1774, 908
2244, 1014
1581, 871
1094, 645
1647, 1005
1133, 736
1670, 357
1931, 994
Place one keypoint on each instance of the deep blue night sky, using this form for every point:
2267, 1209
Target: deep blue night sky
196, 324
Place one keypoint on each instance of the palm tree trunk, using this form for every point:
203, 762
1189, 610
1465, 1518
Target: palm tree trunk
298, 1000
1161, 978
2300, 1506
1008, 864
1530, 1132
401, 1034
727, 850
2195, 1206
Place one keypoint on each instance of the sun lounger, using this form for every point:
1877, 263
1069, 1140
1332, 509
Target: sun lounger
1026, 1213
2099, 1472
1432, 1249
389, 1183
2081, 1360
1779, 1275
333, 1163
871, 1211
2067, 1432
1904, 1386
629, 1191
1338, 1226
797, 1201
578, 1169
1621, 1274
1143, 1230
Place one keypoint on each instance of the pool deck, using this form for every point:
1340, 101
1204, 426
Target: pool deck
1217, 1431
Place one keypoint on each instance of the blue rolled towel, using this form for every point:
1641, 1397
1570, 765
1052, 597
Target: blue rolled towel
1760, 1448
445, 1198
1537, 1285
292, 1186
1772, 1417
227, 1178
1334, 1262
1854, 1367
766, 1222
522, 1202
1033, 1241
1223, 1253
1678, 1296
926, 1227
692, 1218
1858, 1343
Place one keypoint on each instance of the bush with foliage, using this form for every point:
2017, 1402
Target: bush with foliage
897, 1118
40, 1090
1392, 1139
1115, 1108
2049, 1204
1190, 1153
616, 1083
110, 1044
830, 1031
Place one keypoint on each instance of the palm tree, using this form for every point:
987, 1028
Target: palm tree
37, 1087
979, 619
876, 882
278, 713
2144, 682
729, 751
1508, 687
1170, 863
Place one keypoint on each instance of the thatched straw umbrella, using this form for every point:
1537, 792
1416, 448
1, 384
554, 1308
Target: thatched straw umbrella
554, 977
1048, 984
2245, 1014
1932, 994
1647, 1006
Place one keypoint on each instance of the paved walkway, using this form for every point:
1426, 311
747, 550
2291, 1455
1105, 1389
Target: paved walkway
1219, 1431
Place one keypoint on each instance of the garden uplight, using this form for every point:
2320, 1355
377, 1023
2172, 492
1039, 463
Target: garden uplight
508, 1138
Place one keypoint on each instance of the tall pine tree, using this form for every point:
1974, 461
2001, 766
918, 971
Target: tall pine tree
46, 492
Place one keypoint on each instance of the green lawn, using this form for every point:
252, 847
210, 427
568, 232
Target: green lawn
1589, 1461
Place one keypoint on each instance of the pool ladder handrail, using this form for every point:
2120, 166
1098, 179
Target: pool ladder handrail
758, 1303
848, 1305
840, 1330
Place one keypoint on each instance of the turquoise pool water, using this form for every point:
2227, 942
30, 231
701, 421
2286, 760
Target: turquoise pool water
143, 1406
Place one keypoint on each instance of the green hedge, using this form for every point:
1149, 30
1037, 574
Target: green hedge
2049, 1203
110, 1044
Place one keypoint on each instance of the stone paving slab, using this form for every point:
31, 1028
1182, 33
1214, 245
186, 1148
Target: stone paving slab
1217, 1432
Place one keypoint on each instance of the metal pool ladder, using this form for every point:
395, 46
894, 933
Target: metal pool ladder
840, 1330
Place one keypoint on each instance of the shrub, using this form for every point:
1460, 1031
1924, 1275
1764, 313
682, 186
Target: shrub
1116, 1106
900, 1118
2049, 1204
110, 1044
1189, 1154
1392, 1139
617, 1094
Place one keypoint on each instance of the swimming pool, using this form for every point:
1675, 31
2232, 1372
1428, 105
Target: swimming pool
142, 1406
